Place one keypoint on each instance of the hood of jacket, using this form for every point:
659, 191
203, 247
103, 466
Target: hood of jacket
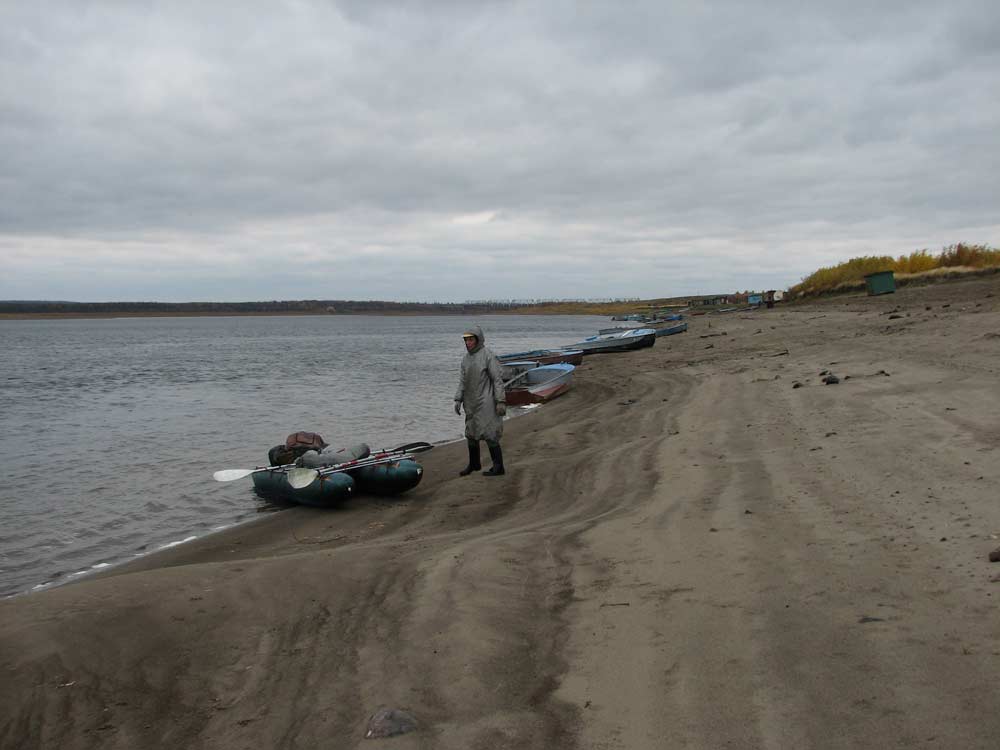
478, 333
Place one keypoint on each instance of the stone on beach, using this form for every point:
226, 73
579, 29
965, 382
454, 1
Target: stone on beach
388, 722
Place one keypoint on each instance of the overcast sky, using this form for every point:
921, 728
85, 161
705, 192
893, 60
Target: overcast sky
458, 150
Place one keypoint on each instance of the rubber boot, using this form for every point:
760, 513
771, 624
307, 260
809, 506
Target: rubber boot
474, 464
497, 455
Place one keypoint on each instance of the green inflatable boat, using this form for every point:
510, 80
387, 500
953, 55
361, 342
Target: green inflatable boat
388, 479
325, 490
330, 489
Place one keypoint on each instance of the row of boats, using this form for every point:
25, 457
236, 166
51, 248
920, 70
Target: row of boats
541, 375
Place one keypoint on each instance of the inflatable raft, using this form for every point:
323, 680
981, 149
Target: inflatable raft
326, 490
388, 479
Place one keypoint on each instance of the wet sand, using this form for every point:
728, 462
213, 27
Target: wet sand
687, 551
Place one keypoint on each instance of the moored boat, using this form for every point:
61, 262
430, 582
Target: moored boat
389, 478
545, 356
324, 491
658, 324
537, 385
671, 330
623, 341
336, 475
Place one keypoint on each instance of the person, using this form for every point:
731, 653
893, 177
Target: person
481, 392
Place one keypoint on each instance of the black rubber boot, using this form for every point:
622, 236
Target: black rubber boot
497, 455
474, 464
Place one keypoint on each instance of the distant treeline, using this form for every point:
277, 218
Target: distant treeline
296, 307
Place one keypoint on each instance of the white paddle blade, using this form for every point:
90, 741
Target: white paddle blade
231, 475
299, 478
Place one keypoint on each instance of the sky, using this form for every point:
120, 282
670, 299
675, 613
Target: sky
452, 150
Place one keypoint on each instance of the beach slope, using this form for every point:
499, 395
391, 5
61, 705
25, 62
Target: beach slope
688, 551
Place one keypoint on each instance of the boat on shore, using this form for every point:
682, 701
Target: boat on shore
671, 330
538, 384
656, 324
545, 357
389, 478
325, 491
384, 474
622, 341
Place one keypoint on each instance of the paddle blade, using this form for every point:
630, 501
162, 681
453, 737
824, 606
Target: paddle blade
230, 475
299, 477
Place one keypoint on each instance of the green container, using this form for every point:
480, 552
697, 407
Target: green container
882, 282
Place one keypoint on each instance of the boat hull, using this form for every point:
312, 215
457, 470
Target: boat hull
323, 492
545, 357
679, 328
388, 479
607, 344
527, 396
542, 384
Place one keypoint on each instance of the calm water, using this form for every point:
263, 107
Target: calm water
110, 429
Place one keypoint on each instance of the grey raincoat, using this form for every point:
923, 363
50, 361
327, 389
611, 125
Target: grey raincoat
480, 389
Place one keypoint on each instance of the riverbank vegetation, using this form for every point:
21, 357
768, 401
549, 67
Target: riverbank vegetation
922, 265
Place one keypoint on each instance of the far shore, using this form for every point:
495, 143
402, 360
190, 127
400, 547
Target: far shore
112, 316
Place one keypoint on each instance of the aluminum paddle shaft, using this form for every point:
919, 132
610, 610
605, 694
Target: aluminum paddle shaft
231, 475
302, 477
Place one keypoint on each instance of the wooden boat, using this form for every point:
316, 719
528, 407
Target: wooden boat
623, 341
325, 491
545, 357
671, 330
536, 385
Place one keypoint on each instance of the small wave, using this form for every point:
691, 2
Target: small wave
168, 545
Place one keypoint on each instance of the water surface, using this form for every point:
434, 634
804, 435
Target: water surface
110, 429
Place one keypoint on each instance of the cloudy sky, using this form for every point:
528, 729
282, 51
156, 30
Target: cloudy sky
452, 149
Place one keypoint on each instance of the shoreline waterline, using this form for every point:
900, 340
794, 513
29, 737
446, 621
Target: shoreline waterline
144, 410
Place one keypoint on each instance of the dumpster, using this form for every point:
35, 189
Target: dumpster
882, 282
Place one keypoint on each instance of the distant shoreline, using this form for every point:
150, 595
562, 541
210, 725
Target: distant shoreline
113, 315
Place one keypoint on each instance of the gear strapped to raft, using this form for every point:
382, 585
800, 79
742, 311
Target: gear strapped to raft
296, 444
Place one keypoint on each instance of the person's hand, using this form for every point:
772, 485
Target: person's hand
501, 408
458, 407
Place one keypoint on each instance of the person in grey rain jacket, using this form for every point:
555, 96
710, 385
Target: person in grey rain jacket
481, 392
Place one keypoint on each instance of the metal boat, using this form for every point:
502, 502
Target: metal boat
545, 356
623, 341
536, 385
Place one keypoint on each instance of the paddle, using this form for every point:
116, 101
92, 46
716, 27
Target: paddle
418, 447
231, 475
300, 477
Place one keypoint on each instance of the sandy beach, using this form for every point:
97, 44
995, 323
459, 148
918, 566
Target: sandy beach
688, 551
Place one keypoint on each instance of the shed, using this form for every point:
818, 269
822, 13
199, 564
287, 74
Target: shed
881, 282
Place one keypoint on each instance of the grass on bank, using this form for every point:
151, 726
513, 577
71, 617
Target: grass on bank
954, 260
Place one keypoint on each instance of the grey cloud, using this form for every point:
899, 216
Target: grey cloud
352, 124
